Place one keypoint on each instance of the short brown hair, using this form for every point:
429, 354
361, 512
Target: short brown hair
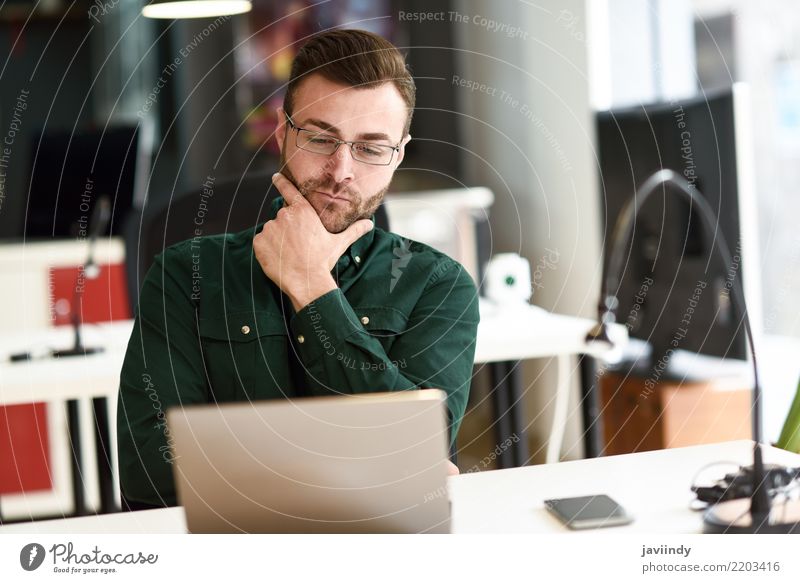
356, 58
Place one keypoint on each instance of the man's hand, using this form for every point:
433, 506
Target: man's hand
452, 469
296, 251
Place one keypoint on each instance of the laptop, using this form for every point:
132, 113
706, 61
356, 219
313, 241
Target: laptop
373, 463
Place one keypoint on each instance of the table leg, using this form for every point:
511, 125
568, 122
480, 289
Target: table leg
103, 450
76, 460
502, 421
520, 451
561, 409
590, 406
508, 407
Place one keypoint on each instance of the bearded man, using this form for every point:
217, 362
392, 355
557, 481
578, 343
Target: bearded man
319, 301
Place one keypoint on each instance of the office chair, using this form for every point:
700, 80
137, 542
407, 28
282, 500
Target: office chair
237, 203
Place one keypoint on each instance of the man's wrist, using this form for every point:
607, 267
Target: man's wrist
310, 289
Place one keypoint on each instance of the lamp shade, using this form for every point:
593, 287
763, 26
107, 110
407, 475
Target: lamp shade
195, 8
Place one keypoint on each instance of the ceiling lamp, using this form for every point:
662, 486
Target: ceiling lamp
195, 8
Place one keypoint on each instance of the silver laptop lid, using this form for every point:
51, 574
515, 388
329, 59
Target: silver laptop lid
343, 464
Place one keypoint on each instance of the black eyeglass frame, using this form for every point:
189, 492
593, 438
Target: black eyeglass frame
395, 149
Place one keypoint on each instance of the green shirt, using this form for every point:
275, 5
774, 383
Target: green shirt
210, 326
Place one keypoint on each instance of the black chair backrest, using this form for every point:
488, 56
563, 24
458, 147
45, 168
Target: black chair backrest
224, 206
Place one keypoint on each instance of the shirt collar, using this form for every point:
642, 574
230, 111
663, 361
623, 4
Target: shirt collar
358, 249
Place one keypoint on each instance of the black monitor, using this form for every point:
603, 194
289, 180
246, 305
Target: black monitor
71, 170
674, 292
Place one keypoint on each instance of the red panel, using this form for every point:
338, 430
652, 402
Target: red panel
24, 449
105, 298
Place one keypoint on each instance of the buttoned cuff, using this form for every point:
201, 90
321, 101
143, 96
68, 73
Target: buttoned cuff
321, 327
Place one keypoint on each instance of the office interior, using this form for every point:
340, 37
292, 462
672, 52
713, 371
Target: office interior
534, 125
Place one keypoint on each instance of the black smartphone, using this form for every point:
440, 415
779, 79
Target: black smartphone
588, 511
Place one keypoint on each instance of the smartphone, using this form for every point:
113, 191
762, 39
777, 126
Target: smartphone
588, 511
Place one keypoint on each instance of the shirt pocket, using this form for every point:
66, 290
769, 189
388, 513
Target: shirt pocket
382, 323
246, 355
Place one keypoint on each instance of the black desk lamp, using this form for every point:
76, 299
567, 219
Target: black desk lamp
753, 515
90, 270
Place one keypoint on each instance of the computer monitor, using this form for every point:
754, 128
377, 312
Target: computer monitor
71, 170
674, 292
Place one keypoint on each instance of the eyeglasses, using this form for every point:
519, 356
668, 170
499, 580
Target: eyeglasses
319, 143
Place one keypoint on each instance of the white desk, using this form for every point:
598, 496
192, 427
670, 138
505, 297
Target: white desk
653, 486
44, 379
524, 332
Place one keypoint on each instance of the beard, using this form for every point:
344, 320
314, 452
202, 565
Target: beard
336, 216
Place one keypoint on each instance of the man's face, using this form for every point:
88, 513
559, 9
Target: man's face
342, 190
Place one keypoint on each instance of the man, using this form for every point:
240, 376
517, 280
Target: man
318, 302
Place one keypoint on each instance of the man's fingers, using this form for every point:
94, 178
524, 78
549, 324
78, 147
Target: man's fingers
288, 190
354, 232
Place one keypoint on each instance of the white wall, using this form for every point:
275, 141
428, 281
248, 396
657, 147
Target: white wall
529, 137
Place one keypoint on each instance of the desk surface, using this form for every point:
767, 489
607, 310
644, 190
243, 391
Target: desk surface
67, 378
653, 486
526, 331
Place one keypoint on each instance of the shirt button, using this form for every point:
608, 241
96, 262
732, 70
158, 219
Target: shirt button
357, 259
301, 338
245, 329
365, 320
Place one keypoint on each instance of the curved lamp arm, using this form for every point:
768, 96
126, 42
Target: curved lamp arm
611, 278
